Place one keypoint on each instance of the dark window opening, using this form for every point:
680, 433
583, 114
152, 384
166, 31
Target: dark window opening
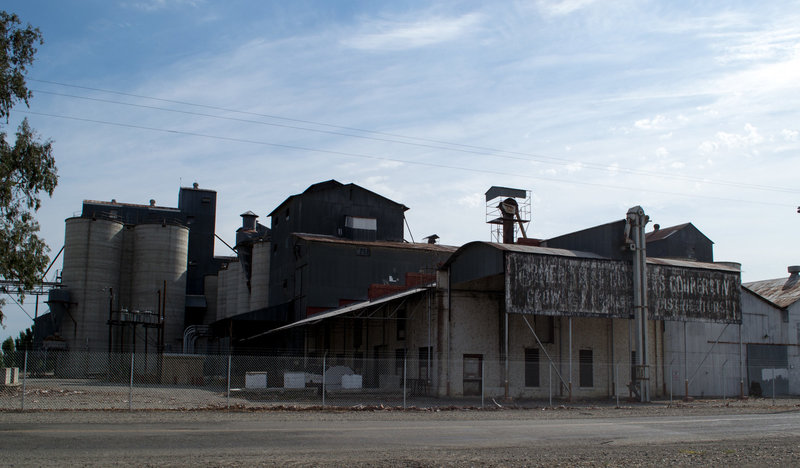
586, 368
545, 328
401, 325
532, 367
400, 362
424, 355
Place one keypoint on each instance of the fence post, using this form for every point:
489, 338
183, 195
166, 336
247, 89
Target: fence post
483, 380
773, 386
228, 391
24, 378
550, 382
323, 378
671, 379
405, 359
723, 382
130, 388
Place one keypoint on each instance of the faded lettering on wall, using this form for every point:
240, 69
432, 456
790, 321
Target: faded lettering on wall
552, 285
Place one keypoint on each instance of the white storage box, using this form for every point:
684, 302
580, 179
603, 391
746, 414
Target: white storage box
294, 380
255, 380
352, 381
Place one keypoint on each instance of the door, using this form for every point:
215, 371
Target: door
473, 374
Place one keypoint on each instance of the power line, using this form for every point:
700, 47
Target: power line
387, 159
429, 143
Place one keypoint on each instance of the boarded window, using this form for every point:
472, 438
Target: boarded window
532, 367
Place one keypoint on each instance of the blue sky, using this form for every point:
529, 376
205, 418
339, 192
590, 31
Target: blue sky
689, 109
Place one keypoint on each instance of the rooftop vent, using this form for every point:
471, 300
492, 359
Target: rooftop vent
152, 202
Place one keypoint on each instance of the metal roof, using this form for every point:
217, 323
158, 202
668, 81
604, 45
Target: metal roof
783, 292
685, 263
531, 249
331, 185
348, 308
389, 244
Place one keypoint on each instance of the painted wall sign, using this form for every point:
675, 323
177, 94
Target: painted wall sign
581, 287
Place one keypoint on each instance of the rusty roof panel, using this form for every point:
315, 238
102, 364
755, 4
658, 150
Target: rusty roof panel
783, 292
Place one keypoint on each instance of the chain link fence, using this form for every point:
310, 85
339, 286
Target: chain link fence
77, 380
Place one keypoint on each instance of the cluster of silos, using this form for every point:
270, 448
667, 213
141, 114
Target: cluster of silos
110, 267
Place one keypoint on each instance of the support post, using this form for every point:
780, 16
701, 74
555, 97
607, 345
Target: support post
228, 380
569, 397
24, 378
130, 388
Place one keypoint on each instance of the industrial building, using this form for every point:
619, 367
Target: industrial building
761, 357
332, 274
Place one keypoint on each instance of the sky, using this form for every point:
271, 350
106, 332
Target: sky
688, 109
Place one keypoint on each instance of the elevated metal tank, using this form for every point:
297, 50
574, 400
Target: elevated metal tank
161, 256
92, 256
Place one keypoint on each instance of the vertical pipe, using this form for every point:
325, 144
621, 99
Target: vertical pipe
506, 353
550, 382
24, 378
616, 377
130, 388
228, 390
323, 378
569, 398
614, 385
670, 384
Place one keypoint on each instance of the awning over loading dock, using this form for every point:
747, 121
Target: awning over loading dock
349, 308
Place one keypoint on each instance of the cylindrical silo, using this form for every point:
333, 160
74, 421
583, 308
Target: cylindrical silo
160, 257
259, 279
91, 272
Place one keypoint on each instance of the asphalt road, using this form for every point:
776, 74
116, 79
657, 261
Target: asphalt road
229, 439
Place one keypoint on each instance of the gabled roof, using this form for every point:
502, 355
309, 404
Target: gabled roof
331, 185
783, 292
663, 233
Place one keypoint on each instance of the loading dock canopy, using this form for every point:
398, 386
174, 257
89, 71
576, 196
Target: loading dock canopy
347, 309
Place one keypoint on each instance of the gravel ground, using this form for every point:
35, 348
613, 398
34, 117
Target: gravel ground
781, 450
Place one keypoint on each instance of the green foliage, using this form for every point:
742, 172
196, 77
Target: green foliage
25, 340
26, 168
8, 352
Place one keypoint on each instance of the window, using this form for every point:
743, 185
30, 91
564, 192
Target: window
357, 333
399, 362
401, 325
544, 326
362, 251
532, 367
586, 368
424, 352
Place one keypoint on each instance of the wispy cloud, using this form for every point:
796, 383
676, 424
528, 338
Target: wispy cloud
157, 5
398, 35
562, 7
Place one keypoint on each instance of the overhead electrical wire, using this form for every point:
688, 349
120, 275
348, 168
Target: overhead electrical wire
387, 159
429, 143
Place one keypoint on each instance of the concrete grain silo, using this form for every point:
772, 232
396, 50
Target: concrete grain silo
160, 258
91, 272
259, 282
